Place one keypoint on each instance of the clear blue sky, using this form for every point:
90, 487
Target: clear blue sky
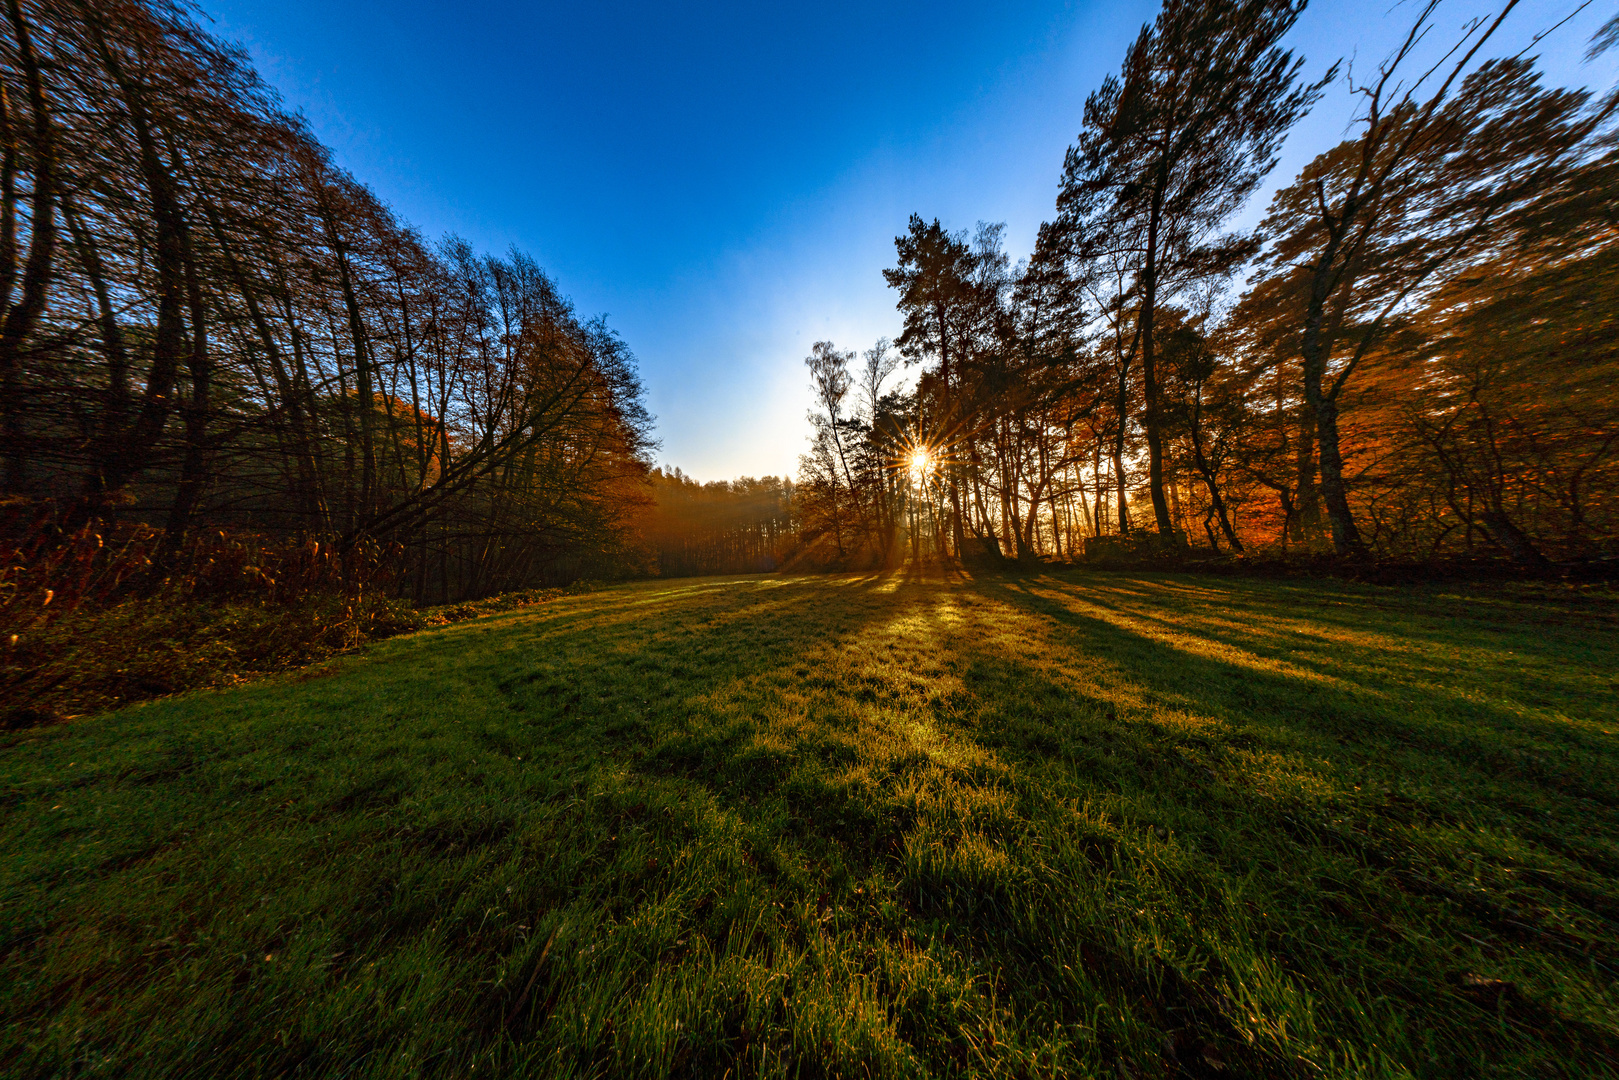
725, 180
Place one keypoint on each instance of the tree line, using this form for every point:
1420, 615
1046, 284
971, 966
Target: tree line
1412, 356
742, 526
205, 323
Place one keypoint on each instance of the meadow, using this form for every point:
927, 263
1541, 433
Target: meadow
1057, 824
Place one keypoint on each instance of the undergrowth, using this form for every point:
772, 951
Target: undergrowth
99, 616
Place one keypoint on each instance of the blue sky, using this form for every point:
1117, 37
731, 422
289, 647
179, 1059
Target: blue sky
725, 180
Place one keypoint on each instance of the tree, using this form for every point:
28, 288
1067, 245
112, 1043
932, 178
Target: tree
743, 526
1373, 223
205, 323
880, 447
830, 379
38, 149
1191, 366
935, 274
1422, 352
1168, 151
1516, 355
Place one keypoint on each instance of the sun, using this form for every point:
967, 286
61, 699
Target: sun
920, 463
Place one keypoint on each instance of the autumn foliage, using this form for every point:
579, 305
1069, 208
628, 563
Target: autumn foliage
92, 617
1411, 359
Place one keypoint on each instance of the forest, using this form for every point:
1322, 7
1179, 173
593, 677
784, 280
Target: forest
1186, 649
1410, 358
247, 414
209, 326
233, 378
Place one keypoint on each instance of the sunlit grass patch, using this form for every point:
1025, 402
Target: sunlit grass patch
1059, 825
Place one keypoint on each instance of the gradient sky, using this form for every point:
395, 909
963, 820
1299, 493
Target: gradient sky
725, 180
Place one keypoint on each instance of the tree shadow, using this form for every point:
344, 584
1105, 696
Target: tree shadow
906, 759
1348, 691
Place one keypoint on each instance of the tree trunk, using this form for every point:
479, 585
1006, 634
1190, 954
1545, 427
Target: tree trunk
1346, 539
1305, 519
362, 382
1216, 501
1149, 375
19, 319
125, 453
195, 413
1513, 540
1316, 348
1345, 536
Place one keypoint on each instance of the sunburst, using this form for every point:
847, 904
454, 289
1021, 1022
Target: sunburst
921, 463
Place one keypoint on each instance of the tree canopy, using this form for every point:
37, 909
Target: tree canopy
1410, 357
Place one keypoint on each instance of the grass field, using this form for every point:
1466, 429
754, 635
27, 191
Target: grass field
1048, 825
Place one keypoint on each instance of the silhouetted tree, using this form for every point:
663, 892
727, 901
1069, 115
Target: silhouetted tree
1170, 148
205, 323
1374, 223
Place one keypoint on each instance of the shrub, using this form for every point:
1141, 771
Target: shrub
95, 616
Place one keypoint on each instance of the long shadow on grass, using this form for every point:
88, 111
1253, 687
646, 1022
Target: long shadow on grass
451, 805
1308, 628
513, 834
1371, 869
1330, 699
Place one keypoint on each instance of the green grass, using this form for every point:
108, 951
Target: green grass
1057, 825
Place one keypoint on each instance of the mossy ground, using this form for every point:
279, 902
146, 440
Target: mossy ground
1048, 825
